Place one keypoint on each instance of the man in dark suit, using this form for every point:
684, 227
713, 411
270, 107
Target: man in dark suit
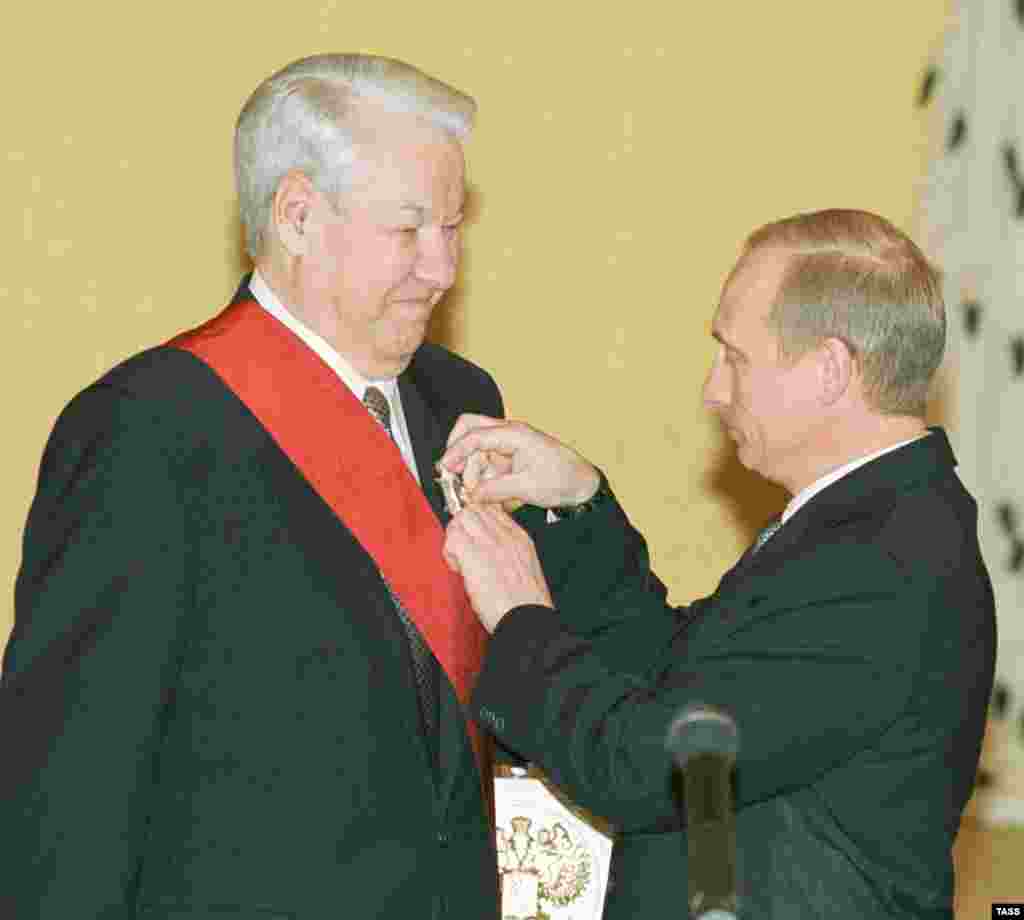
239, 668
854, 645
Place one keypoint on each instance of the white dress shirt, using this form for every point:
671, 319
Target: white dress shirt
355, 381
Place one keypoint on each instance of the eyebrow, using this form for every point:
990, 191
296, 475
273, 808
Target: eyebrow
421, 211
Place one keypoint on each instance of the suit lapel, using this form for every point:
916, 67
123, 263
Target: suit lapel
428, 439
242, 293
412, 563
427, 435
860, 493
425, 431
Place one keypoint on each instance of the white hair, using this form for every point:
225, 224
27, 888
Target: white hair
302, 117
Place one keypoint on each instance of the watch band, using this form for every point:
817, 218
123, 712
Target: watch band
602, 496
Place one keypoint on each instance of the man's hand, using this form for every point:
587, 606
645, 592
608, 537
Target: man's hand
504, 461
497, 561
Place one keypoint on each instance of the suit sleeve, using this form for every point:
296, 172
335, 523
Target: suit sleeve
810, 683
91, 664
593, 564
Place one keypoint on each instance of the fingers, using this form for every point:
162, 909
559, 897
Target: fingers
451, 560
472, 469
506, 523
497, 490
469, 422
497, 561
481, 465
510, 461
459, 452
490, 523
480, 433
475, 521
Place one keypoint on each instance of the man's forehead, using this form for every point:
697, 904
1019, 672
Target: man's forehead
748, 294
760, 271
385, 199
409, 179
383, 134
375, 117
754, 281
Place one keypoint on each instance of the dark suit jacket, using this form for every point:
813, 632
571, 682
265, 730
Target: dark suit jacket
856, 653
208, 703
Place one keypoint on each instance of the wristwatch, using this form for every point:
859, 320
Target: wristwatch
602, 496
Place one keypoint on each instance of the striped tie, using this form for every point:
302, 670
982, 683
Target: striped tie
765, 535
379, 407
424, 664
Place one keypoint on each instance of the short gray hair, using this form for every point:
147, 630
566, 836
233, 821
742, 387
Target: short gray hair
853, 276
302, 118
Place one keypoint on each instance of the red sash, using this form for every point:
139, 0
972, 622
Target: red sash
356, 469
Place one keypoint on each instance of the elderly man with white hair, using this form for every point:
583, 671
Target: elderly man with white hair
238, 677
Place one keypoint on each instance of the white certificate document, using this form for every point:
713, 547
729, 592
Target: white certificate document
553, 858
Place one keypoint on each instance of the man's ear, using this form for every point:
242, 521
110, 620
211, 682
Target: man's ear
292, 206
838, 369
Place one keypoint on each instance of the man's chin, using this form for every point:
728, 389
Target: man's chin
402, 357
743, 452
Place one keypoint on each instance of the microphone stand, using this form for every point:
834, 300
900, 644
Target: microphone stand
704, 741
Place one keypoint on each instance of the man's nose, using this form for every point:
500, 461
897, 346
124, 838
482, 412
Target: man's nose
438, 260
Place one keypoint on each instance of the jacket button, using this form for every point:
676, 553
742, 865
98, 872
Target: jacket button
442, 838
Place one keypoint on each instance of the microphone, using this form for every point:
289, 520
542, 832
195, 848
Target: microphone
704, 741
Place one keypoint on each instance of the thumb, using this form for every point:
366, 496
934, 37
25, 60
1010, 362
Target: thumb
500, 437
468, 422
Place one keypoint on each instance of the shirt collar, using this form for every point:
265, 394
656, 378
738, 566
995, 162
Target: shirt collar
805, 495
355, 381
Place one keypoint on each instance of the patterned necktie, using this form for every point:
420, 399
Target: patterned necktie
425, 666
765, 535
379, 407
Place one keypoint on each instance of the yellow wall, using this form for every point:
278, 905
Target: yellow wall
620, 158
